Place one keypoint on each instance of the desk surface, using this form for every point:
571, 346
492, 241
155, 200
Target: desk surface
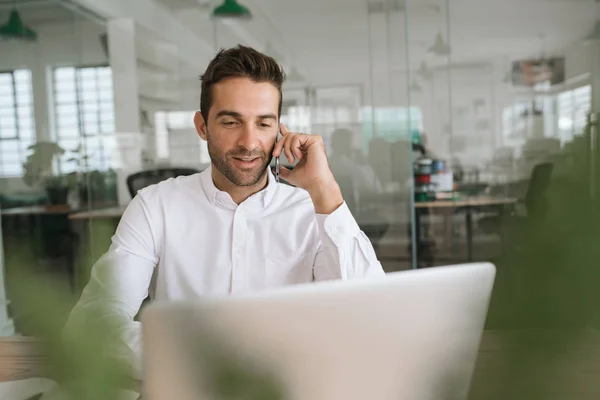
117, 211
467, 202
98, 213
54, 209
58, 209
574, 372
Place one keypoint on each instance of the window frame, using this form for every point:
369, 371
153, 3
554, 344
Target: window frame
19, 138
83, 135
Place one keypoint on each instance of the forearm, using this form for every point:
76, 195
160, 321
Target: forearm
107, 308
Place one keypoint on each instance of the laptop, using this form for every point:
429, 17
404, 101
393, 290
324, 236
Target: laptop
407, 335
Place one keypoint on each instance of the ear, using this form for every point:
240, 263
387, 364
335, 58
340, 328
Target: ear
200, 125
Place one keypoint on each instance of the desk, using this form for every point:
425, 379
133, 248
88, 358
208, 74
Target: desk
99, 213
21, 358
468, 204
572, 372
55, 209
58, 209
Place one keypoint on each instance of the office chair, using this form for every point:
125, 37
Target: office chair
142, 179
511, 228
535, 200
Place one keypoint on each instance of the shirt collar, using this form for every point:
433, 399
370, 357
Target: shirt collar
220, 198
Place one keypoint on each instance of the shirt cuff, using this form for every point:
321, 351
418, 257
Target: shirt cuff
337, 228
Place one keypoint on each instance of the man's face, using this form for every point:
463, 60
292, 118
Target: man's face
241, 129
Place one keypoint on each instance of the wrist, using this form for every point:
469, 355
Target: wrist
326, 196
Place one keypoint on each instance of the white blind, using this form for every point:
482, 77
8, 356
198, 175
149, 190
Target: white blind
573, 108
85, 117
17, 124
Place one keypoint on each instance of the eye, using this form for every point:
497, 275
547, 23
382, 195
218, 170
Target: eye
229, 123
263, 125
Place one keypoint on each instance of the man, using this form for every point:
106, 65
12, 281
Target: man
231, 228
355, 176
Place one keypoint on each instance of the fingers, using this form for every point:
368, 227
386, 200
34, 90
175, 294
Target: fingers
290, 144
296, 147
287, 147
293, 146
283, 146
279, 145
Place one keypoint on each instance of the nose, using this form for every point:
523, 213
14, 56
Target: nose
248, 137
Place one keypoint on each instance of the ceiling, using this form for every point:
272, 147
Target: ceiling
339, 41
36, 12
330, 39
304, 33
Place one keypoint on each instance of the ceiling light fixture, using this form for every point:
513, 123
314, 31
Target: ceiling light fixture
595, 34
232, 9
415, 87
15, 29
295, 76
424, 71
440, 47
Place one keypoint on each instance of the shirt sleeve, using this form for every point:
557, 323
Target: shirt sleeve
344, 251
119, 283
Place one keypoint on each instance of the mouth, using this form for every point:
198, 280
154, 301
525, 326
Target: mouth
246, 162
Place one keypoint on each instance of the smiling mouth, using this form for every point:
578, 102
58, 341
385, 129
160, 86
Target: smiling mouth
246, 159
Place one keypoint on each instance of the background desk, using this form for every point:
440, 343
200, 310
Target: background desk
468, 204
59, 209
99, 213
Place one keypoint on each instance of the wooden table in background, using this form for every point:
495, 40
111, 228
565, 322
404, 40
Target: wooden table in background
99, 213
57, 209
468, 203
479, 201
63, 209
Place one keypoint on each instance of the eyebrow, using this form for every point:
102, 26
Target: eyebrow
228, 113
235, 114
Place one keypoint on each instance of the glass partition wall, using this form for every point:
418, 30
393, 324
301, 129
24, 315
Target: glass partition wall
505, 167
446, 128
56, 127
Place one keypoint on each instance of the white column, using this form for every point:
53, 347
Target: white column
40, 90
123, 61
594, 51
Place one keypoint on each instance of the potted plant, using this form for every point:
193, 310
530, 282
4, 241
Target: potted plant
38, 171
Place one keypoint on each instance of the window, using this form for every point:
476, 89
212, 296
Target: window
17, 126
573, 108
85, 121
391, 123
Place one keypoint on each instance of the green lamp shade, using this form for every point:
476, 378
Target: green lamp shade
15, 29
231, 9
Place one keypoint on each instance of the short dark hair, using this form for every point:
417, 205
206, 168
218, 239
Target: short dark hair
239, 62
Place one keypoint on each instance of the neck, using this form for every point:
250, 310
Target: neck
238, 193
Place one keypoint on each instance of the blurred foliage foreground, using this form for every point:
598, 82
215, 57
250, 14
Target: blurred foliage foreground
546, 301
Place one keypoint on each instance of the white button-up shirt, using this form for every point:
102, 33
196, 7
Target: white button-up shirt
184, 239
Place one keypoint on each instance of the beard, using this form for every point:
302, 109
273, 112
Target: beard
238, 176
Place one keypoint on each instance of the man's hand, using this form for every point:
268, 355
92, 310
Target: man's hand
312, 172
